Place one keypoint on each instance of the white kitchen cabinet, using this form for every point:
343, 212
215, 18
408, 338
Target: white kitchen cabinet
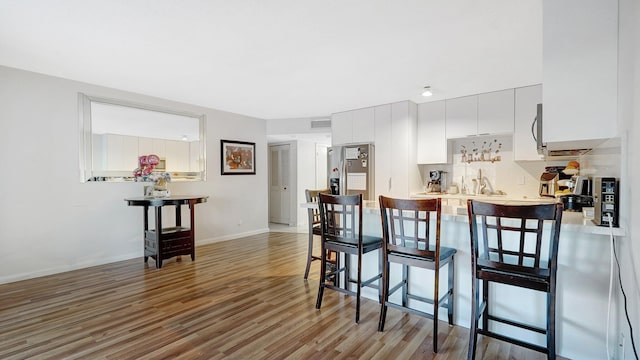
341, 128
355, 126
526, 102
405, 177
194, 156
383, 149
177, 155
148, 146
363, 125
432, 144
121, 152
462, 117
495, 112
580, 62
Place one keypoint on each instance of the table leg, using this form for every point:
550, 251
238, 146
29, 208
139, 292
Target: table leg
178, 224
144, 233
192, 218
158, 236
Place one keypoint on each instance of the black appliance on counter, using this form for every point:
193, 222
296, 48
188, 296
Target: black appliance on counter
573, 202
606, 200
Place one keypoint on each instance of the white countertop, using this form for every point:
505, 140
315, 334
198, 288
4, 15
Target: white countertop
456, 212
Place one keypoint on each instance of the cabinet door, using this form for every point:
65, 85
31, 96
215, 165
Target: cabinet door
526, 101
194, 156
342, 128
363, 123
580, 62
432, 141
400, 125
495, 112
177, 155
462, 117
145, 146
160, 147
382, 125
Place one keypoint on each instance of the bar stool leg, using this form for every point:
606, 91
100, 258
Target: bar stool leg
450, 298
551, 325
436, 297
359, 286
473, 328
323, 275
309, 254
385, 294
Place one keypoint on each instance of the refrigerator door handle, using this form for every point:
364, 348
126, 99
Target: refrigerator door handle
343, 177
390, 183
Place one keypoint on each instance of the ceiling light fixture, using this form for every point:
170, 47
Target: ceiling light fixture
427, 91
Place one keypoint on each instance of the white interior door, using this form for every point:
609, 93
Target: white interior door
279, 192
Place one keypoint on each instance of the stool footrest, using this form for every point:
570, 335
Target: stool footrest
524, 344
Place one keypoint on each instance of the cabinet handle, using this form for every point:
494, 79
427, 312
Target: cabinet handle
389, 184
533, 125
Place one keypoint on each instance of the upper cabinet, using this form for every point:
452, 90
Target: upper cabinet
462, 117
342, 128
495, 112
432, 144
526, 102
355, 126
383, 149
483, 114
580, 62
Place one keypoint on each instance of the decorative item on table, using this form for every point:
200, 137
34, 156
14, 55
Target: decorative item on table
144, 173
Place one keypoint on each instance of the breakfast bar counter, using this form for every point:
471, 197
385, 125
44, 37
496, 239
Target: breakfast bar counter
583, 279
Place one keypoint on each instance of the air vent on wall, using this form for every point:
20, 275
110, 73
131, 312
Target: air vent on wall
315, 124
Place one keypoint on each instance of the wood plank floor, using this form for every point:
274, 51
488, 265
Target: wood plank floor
240, 299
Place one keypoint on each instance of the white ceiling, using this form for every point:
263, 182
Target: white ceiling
279, 58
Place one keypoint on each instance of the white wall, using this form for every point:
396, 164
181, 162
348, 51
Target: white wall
628, 247
51, 222
306, 177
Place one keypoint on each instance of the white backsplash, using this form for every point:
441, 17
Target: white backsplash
516, 179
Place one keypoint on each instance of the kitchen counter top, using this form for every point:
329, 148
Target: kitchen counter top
454, 209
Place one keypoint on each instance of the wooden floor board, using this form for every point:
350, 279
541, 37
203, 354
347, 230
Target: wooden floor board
240, 299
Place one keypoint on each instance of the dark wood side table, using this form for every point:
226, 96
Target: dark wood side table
166, 242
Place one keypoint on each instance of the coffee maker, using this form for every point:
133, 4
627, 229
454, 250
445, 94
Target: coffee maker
437, 181
549, 180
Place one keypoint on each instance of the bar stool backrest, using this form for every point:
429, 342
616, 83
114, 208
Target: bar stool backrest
509, 238
312, 197
341, 217
406, 226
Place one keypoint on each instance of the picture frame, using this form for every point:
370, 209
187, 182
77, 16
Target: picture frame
237, 157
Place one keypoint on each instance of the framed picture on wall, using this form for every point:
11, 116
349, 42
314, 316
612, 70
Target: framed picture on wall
237, 157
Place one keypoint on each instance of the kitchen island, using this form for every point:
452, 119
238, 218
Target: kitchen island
583, 279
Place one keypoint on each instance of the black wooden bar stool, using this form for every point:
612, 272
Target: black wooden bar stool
408, 239
508, 247
341, 224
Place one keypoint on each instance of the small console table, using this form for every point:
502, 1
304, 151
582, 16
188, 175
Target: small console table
166, 242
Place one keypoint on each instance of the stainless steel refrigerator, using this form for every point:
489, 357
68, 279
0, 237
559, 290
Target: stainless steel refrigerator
351, 170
